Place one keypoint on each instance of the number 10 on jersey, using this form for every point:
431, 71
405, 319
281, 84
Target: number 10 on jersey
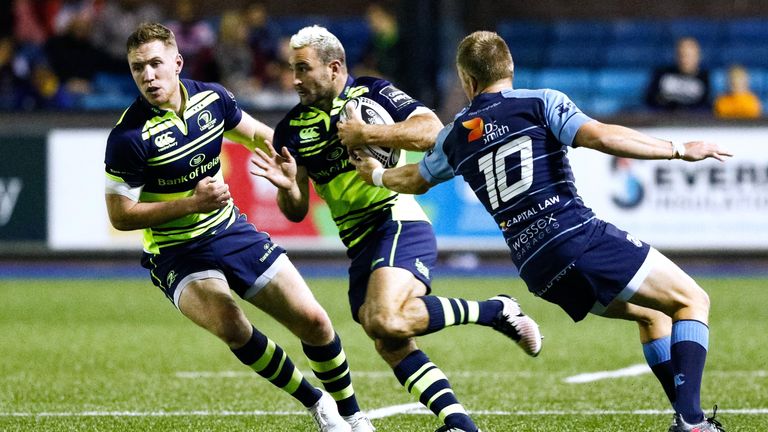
494, 166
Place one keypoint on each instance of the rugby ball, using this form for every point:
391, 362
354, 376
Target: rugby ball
373, 113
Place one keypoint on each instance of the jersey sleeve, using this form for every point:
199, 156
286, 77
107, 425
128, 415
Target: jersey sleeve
125, 159
281, 137
124, 164
398, 103
434, 167
232, 112
563, 116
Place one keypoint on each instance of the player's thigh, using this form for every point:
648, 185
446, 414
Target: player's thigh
208, 303
667, 288
288, 299
396, 265
389, 288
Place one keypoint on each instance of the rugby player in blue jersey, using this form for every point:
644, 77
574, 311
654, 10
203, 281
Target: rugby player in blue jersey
388, 237
164, 176
510, 146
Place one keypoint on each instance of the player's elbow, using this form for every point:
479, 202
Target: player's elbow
121, 224
294, 217
421, 189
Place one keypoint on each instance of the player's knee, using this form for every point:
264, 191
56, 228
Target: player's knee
701, 300
384, 325
317, 328
393, 351
231, 326
695, 303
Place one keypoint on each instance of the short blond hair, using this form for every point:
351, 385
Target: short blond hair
485, 56
327, 46
150, 32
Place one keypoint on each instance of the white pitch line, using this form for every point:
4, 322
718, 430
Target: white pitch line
411, 408
355, 374
634, 370
405, 409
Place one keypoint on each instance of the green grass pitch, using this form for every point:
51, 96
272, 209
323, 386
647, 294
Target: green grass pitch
114, 355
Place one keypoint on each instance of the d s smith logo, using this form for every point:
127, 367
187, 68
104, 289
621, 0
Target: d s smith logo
628, 191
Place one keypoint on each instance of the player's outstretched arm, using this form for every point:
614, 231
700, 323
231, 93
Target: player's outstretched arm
126, 214
418, 132
404, 179
625, 142
251, 133
291, 180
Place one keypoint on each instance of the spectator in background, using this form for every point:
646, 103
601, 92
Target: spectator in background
75, 59
6, 18
380, 57
13, 84
34, 20
738, 101
233, 58
264, 42
277, 91
116, 19
684, 86
196, 38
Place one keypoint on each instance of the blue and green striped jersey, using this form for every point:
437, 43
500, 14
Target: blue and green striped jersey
310, 135
154, 155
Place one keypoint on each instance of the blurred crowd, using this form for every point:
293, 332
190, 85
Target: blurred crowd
70, 55
60, 54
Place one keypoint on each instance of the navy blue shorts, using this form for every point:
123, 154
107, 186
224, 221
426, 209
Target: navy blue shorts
409, 245
240, 254
612, 266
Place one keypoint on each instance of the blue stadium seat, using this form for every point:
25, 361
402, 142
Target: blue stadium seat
289, 25
113, 83
747, 30
758, 79
704, 30
527, 41
636, 32
754, 54
517, 32
105, 102
525, 78
587, 30
602, 106
589, 54
572, 81
531, 56
634, 55
718, 81
627, 85
354, 34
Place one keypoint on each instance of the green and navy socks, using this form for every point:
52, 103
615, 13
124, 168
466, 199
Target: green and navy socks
446, 312
329, 363
425, 381
269, 360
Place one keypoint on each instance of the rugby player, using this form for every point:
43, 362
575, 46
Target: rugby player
510, 146
388, 237
164, 176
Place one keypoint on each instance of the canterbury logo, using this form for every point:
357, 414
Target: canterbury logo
165, 140
475, 127
309, 133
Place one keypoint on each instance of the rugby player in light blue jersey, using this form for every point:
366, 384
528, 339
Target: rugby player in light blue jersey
510, 146
388, 237
164, 176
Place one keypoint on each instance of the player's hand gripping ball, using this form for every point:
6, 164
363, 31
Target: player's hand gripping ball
373, 113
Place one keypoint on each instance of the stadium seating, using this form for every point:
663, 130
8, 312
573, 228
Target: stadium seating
605, 66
